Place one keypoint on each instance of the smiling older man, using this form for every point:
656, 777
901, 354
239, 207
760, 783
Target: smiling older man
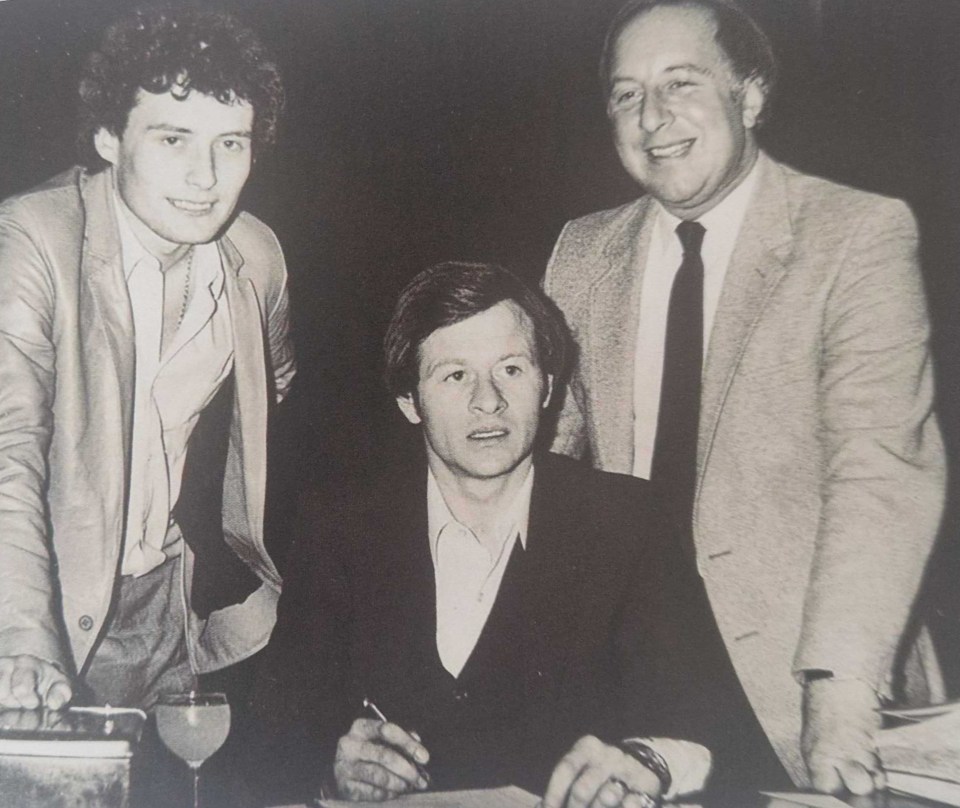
755, 342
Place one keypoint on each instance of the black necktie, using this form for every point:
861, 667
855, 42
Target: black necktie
674, 469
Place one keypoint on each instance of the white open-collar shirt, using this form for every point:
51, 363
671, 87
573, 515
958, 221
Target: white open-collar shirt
468, 578
468, 574
170, 391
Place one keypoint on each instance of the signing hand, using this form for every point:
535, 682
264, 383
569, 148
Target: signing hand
29, 682
840, 721
378, 760
596, 774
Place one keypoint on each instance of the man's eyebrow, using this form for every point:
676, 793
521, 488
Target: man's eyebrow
434, 366
182, 130
685, 67
693, 68
168, 127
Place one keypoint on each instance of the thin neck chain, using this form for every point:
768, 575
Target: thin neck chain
186, 288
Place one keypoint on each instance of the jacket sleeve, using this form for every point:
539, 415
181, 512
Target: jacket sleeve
883, 462
278, 330
571, 433
27, 387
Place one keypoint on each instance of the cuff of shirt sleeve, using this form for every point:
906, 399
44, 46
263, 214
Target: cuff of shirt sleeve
807, 675
690, 764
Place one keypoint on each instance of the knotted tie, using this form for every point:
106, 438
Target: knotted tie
674, 470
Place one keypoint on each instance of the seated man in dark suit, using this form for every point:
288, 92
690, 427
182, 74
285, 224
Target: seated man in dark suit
514, 613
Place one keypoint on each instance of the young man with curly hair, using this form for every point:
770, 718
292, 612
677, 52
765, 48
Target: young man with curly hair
143, 340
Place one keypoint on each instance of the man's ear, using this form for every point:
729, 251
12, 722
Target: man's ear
549, 392
753, 97
107, 145
409, 408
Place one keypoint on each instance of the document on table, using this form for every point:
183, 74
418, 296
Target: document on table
506, 797
783, 800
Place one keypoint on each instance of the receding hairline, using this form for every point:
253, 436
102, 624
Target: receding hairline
712, 12
707, 14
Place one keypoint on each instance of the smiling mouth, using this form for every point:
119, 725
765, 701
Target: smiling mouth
488, 434
195, 208
672, 151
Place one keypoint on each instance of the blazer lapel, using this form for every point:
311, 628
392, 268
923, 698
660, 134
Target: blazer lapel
613, 337
552, 565
248, 429
757, 265
102, 275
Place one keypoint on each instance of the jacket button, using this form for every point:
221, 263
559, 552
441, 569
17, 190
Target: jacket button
460, 695
86, 622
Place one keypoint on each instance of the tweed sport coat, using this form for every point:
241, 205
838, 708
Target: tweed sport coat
66, 393
820, 472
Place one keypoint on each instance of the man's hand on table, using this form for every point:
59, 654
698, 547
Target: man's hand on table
840, 722
379, 760
28, 682
597, 774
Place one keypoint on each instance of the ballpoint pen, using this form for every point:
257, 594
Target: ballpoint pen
369, 705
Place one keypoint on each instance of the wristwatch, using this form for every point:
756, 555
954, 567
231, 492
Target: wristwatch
650, 758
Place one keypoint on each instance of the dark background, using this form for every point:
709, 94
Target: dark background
423, 130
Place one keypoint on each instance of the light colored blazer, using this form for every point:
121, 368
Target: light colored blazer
66, 393
820, 465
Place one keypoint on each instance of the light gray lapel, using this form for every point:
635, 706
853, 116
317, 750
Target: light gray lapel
250, 404
757, 265
101, 274
614, 317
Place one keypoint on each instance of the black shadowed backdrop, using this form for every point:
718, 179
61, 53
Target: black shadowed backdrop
424, 130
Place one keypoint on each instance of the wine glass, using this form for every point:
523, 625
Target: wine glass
193, 726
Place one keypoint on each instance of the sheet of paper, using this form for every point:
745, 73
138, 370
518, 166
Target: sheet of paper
920, 713
810, 800
507, 797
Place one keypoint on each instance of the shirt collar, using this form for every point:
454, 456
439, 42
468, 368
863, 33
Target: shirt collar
514, 521
206, 259
131, 250
721, 222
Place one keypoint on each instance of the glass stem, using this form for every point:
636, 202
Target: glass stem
195, 768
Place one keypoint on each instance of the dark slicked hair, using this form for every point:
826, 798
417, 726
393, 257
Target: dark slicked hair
747, 47
451, 292
179, 51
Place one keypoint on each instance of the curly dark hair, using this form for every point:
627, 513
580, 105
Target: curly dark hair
453, 291
161, 50
744, 42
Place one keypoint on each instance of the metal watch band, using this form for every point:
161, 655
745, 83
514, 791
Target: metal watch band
649, 757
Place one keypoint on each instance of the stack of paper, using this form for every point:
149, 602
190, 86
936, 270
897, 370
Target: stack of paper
922, 757
507, 797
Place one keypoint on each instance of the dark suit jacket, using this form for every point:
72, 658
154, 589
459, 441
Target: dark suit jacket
594, 630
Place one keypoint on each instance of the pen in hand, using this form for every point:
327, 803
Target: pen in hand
369, 705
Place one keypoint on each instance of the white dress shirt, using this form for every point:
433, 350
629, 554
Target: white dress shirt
170, 391
468, 574
468, 578
722, 225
